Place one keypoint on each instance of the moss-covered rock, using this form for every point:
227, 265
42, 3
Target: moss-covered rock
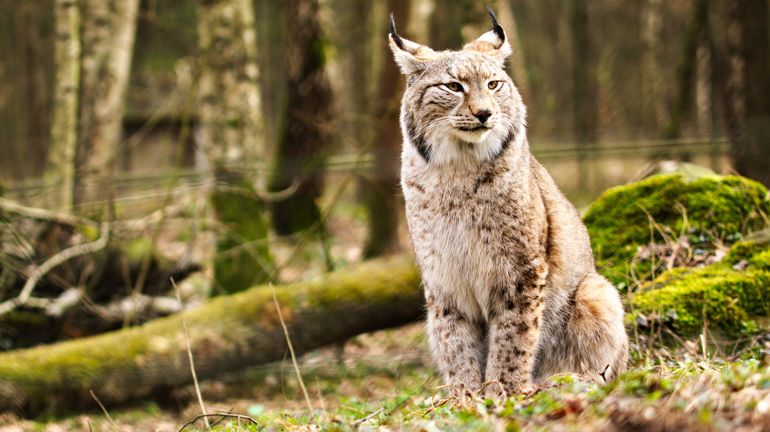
705, 207
728, 294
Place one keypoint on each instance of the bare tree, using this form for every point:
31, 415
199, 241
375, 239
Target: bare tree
232, 137
299, 158
745, 84
272, 38
26, 66
686, 70
585, 86
383, 194
63, 146
108, 31
652, 69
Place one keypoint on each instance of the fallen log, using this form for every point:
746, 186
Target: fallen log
226, 334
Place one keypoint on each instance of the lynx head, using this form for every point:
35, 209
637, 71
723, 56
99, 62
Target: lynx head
459, 105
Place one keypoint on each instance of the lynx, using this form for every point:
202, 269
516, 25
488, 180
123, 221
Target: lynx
511, 287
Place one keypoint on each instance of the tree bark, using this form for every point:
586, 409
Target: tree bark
653, 78
107, 46
232, 137
382, 194
585, 87
226, 334
272, 39
26, 78
300, 155
64, 121
687, 69
745, 71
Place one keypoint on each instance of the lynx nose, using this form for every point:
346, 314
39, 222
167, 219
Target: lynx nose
483, 115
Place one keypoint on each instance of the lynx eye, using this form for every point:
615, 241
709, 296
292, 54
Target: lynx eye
454, 86
494, 85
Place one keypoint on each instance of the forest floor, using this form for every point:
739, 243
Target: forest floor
385, 381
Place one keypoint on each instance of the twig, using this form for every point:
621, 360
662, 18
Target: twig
104, 410
42, 214
280, 195
223, 415
367, 418
291, 349
190, 357
53, 262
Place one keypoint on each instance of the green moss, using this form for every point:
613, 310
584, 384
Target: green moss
727, 295
137, 249
242, 258
704, 208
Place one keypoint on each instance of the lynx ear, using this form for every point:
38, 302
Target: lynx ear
493, 42
410, 56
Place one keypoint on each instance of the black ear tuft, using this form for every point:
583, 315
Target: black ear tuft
396, 37
495, 26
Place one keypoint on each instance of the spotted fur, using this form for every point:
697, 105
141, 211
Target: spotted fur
511, 287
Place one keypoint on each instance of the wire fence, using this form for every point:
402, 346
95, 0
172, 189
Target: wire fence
196, 177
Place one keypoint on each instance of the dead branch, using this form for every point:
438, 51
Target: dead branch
42, 214
39, 271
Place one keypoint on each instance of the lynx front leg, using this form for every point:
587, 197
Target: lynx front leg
457, 343
514, 328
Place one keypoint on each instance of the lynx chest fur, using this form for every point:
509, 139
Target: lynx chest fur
511, 291
473, 228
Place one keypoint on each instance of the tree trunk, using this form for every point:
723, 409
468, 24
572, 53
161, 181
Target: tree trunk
26, 63
107, 46
382, 194
272, 38
745, 70
515, 64
449, 20
300, 155
64, 121
653, 78
686, 70
232, 137
585, 87
226, 334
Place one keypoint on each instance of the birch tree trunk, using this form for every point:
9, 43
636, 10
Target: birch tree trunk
232, 137
63, 146
299, 159
107, 46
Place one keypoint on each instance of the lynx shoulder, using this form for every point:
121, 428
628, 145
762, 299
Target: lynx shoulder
511, 287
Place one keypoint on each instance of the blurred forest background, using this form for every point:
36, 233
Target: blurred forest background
259, 140
227, 143
251, 141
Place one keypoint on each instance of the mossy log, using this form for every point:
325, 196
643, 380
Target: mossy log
226, 334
